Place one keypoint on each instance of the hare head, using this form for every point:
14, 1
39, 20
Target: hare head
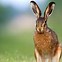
41, 22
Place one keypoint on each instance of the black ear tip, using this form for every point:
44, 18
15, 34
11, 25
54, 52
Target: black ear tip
33, 2
52, 3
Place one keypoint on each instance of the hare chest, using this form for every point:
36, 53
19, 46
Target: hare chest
45, 44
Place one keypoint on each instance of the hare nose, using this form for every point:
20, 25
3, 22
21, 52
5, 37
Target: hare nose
39, 29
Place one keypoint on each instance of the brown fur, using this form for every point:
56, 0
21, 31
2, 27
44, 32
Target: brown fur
46, 43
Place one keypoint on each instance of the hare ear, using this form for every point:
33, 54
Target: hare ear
49, 9
36, 9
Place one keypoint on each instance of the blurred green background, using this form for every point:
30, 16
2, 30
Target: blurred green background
17, 26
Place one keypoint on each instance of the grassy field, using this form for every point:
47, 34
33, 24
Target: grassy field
16, 48
20, 47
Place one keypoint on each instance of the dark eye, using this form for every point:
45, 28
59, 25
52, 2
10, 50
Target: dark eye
45, 21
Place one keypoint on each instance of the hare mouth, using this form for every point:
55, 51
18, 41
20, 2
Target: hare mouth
40, 32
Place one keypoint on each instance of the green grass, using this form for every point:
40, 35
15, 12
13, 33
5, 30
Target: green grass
17, 48
4, 58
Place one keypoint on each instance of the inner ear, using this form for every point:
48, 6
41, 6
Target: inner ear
49, 9
35, 9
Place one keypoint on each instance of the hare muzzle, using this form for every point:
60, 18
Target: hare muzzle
40, 30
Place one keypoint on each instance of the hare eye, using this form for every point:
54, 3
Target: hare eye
45, 21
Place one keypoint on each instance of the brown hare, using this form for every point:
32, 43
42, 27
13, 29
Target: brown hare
47, 47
